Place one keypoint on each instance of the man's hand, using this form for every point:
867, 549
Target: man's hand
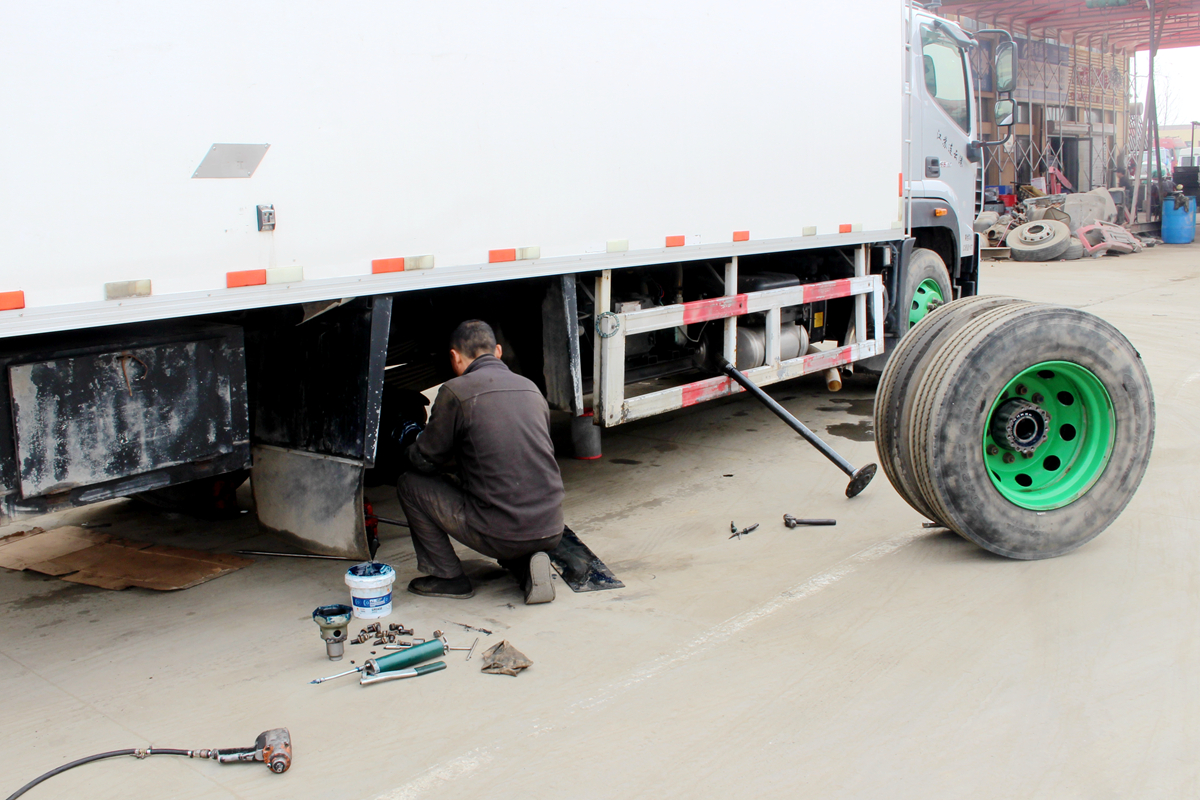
419, 462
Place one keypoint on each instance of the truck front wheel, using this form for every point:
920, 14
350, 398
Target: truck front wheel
926, 286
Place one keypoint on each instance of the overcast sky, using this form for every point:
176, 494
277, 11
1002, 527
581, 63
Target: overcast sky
1177, 74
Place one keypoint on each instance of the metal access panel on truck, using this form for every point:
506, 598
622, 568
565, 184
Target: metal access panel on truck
171, 160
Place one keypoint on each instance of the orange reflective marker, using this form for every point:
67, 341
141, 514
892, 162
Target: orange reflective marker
246, 277
380, 265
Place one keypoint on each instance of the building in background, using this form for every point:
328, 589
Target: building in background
1075, 109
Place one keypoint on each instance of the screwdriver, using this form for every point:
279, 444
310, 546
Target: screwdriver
434, 648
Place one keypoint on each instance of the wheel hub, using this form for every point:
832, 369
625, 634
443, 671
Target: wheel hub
1020, 425
1036, 233
1049, 435
927, 297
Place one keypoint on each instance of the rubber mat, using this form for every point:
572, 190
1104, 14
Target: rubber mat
580, 567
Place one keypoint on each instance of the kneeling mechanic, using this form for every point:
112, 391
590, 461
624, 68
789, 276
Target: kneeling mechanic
492, 427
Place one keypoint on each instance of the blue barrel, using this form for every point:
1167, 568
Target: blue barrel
1179, 224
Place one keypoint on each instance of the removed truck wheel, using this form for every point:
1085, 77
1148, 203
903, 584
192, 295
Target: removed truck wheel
926, 286
1043, 240
903, 371
1032, 429
1074, 250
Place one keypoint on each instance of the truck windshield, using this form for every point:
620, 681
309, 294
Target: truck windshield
946, 75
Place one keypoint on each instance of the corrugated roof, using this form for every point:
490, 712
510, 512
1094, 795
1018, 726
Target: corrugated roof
1122, 27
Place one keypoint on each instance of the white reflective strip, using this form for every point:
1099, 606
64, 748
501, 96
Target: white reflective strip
659, 317
291, 274
528, 253
121, 289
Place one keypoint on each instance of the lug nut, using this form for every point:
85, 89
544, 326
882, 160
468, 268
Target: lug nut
992, 449
1037, 397
1009, 458
1022, 390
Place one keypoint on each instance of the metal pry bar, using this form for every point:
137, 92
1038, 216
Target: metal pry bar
859, 478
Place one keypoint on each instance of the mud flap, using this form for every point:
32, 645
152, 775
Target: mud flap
316, 393
311, 500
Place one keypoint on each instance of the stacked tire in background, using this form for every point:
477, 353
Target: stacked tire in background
1024, 427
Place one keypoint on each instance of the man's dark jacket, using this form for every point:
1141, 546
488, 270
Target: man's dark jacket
495, 425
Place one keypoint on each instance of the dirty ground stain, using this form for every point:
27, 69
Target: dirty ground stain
856, 431
859, 407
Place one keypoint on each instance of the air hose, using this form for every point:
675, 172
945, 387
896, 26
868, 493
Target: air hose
138, 752
273, 748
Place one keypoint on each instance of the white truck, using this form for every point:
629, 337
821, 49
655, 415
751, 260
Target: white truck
236, 236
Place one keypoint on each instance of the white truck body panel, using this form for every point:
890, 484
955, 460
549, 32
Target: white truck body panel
401, 129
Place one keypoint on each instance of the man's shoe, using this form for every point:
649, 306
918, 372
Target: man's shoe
538, 587
459, 588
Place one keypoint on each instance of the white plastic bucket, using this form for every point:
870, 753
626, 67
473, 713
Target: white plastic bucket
371, 589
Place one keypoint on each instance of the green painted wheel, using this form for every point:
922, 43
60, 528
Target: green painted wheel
1049, 435
927, 297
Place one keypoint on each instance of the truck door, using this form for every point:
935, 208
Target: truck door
947, 119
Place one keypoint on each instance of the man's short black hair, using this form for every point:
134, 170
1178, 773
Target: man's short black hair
473, 338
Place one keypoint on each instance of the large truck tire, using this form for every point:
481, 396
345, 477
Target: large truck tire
1043, 240
903, 371
926, 286
1032, 429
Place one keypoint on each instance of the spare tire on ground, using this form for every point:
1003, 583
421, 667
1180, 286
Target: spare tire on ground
1024, 427
1043, 240
1074, 250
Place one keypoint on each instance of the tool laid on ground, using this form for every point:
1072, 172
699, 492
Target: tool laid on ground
293, 555
795, 522
739, 534
333, 620
367, 680
407, 657
859, 478
438, 636
273, 748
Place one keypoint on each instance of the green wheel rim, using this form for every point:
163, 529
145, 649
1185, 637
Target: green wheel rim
927, 297
1077, 443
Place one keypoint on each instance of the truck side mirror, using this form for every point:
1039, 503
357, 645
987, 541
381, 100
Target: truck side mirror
1005, 110
1006, 67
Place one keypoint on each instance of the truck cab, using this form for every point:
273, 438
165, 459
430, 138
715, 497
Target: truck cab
942, 183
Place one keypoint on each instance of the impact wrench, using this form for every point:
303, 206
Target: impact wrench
273, 748
859, 478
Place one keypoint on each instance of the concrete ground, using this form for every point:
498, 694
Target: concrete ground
872, 659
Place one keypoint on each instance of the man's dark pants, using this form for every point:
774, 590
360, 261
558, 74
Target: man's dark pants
436, 510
